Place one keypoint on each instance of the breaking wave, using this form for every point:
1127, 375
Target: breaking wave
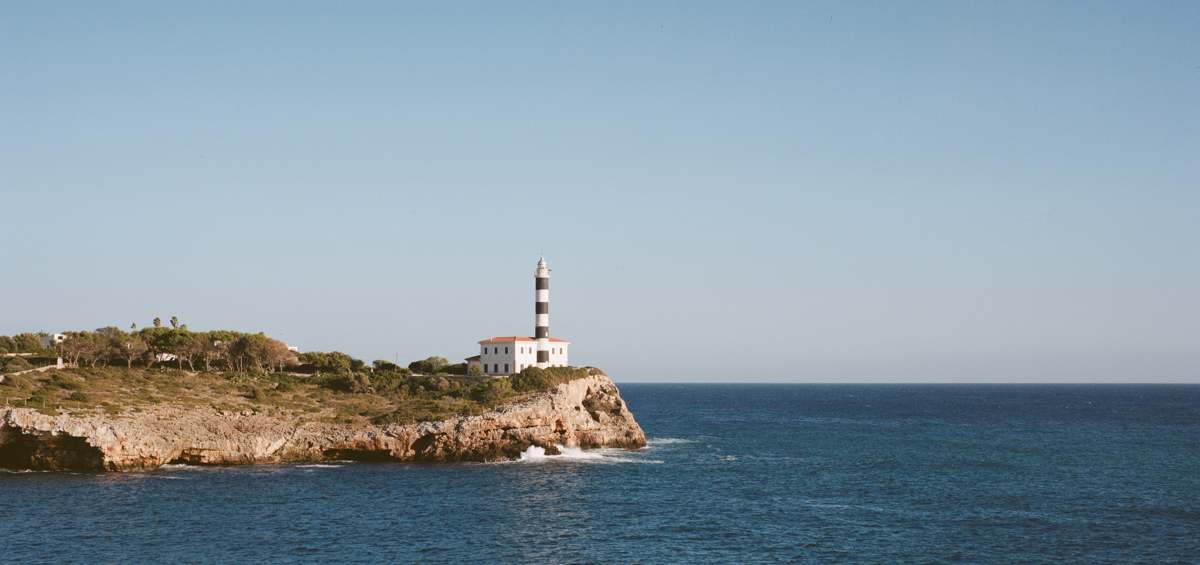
536, 454
668, 441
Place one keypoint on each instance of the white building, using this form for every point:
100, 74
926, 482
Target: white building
51, 340
510, 354
505, 355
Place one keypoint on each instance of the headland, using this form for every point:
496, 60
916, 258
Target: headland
118, 419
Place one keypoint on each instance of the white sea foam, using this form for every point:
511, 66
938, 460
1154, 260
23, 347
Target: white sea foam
319, 466
536, 454
668, 441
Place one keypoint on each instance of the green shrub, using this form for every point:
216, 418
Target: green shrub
456, 369
428, 366
379, 365
331, 362
77, 397
491, 391
65, 382
348, 382
389, 382
256, 393
533, 379
16, 381
283, 382
15, 364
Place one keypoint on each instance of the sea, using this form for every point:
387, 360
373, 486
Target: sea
732, 474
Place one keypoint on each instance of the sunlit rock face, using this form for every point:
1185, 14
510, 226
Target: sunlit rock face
587, 413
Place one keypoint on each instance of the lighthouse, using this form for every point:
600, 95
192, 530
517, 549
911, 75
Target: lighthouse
541, 312
505, 355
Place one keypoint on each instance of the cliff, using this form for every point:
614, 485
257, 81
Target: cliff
586, 412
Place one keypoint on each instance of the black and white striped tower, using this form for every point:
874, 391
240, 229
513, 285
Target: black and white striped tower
541, 310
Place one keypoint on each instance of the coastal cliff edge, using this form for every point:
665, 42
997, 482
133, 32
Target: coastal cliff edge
586, 412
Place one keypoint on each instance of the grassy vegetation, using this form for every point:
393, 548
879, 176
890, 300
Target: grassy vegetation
381, 397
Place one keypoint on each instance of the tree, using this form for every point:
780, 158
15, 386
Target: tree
331, 362
428, 366
174, 321
27, 343
379, 365
108, 341
216, 348
80, 347
474, 371
157, 342
278, 356
260, 351
131, 347
184, 345
157, 322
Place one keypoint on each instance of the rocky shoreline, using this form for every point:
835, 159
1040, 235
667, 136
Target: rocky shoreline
587, 412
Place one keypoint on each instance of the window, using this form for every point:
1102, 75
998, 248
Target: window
506, 367
506, 351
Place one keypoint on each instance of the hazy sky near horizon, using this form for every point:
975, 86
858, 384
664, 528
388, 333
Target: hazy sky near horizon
735, 191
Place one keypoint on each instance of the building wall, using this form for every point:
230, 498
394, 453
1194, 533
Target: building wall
558, 354
517, 355
494, 356
52, 340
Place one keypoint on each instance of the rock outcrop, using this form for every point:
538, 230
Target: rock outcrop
586, 413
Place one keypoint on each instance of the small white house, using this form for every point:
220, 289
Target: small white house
51, 340
505, 355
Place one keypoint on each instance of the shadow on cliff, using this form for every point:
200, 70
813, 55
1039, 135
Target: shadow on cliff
47, 452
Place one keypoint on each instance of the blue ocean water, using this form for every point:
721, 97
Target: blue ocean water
734, 474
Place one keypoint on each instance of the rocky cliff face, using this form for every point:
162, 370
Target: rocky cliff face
585, 413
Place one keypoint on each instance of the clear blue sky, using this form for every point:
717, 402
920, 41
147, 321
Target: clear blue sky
736, 191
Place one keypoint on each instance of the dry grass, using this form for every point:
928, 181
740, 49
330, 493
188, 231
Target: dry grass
113, 391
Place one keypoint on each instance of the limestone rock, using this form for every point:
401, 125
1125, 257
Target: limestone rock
587, 413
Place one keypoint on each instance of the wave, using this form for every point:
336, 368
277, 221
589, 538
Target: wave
536, 454
319, 466
668, 441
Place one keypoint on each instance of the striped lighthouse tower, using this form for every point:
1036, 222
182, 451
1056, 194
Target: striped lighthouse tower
541, 326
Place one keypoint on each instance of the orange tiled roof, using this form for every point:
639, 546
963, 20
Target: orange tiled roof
512, 338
